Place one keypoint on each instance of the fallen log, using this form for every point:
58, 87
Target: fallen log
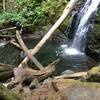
13, 42
2, 65
7, 36
28, 53
30, 36
75, 75
66, 12
13, 28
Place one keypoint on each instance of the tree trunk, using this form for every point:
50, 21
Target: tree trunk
4, 5
66, 12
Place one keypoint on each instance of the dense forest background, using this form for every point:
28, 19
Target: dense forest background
36, 12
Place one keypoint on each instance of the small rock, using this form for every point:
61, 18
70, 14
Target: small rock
26, 89
68, 72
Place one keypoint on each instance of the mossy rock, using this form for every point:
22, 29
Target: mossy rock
94, 74
93, 38
94, 70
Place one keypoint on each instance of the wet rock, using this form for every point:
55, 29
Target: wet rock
94, 74
93, 39
68, 72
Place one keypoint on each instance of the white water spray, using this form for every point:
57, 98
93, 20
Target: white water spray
78, 44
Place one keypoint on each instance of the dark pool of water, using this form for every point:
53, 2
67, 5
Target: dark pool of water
11, 55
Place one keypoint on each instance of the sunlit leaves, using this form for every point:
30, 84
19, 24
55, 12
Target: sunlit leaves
34, 11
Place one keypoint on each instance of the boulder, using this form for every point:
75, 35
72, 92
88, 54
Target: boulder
94, 74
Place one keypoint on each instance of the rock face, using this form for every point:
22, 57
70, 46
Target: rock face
68, 72
93, 39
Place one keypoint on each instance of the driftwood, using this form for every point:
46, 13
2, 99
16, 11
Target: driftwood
25, 49
30, 36
66, 12
7, 36
13, 28
4, 5
13, 42
75, 75
7, 29
21, 74
5, 65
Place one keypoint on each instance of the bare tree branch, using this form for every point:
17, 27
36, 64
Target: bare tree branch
25, 49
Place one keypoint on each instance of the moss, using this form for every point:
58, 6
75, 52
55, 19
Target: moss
77, 83
94, 74
57, 96
6, 94
94, 70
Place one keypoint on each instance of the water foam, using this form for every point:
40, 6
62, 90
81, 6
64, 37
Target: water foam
85, 14
72, 51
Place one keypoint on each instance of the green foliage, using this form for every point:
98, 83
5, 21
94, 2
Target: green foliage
2, 18
33, 11
53, 7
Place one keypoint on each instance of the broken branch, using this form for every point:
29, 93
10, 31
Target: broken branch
25, 49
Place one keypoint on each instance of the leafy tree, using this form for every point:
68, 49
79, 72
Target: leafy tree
33, 11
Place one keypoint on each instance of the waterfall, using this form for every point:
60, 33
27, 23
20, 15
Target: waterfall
84, 15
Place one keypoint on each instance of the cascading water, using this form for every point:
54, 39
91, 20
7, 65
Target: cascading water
73, 56
83, 20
